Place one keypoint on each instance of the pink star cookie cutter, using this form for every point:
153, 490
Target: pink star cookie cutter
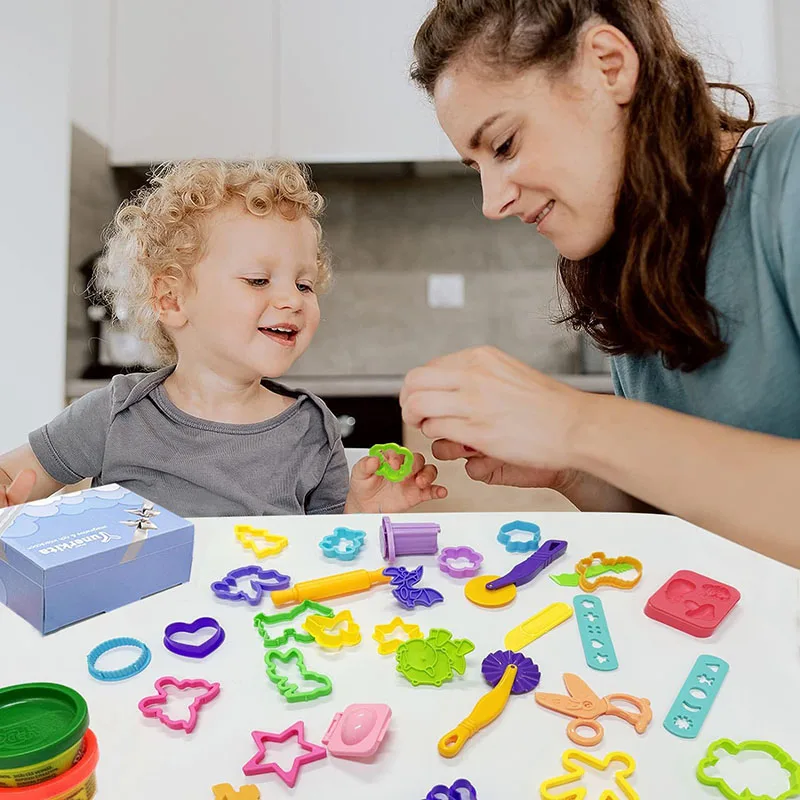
256, 765
151, 706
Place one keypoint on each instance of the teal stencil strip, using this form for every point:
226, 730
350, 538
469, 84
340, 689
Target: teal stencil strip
597, 645
691, 706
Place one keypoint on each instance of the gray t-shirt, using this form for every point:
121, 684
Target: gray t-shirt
130, 433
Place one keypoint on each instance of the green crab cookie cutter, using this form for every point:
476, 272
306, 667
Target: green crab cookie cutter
385, 470
786, 762
291, 691
292, 620
433, 660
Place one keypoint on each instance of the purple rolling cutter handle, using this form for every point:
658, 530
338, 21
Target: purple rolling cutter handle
528, 569
408, 539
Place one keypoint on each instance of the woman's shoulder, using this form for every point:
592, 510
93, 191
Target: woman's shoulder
774, 149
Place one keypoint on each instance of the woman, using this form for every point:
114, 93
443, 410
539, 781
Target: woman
678, 229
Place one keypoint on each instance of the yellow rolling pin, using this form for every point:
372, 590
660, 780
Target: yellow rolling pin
359, 580
507, 672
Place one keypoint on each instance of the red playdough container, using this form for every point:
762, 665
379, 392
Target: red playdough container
77, 783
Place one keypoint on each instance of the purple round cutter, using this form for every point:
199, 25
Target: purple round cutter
450, 554
200, 650
494, 667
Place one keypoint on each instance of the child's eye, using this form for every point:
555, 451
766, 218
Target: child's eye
257, 282
505, 148
305, 287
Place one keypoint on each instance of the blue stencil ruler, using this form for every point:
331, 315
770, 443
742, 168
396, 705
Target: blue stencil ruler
691, 706
597, 645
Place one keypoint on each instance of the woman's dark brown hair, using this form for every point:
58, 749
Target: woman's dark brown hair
644, 292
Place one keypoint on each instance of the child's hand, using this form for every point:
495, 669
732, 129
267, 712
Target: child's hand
19, 490
371, 494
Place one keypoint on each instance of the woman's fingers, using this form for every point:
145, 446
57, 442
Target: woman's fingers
445, 450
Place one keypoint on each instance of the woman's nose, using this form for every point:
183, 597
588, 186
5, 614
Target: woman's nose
499, 195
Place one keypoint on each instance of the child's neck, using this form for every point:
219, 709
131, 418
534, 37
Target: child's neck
206, 394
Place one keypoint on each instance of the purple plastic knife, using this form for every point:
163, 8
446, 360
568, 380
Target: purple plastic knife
528, 569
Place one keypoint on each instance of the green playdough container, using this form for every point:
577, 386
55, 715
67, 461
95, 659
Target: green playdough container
42, 727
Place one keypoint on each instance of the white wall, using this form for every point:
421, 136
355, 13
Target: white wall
787, 25
90, 67
34, 141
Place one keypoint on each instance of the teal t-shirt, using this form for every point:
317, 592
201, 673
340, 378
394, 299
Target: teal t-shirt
753, 280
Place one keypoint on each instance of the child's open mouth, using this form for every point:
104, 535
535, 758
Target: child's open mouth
285, 335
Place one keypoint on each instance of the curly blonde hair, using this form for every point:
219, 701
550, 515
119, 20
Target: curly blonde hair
163, 231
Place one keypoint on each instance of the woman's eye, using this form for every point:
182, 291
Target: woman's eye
503, 150
257, 282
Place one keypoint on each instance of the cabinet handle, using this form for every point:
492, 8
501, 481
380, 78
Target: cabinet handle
347, 424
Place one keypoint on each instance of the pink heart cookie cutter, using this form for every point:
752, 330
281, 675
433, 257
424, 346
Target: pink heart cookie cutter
151, 706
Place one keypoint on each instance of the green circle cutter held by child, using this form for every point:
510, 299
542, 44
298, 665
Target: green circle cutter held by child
43, 726
385, 470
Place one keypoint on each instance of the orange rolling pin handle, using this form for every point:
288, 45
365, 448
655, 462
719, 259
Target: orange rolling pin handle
358, 580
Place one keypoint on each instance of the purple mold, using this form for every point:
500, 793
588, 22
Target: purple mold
454, 554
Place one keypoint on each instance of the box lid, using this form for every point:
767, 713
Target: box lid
70, 535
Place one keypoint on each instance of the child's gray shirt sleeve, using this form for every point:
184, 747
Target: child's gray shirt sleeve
71, 447
329, 496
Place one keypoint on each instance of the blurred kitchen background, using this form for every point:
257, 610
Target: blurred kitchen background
94, 92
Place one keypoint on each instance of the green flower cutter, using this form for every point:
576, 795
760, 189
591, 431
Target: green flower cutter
385, 470
786, 762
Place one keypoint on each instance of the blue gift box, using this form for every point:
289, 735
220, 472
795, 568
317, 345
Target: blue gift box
75, 555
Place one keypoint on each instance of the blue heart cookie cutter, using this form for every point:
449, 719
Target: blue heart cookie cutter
261, 580
353, 540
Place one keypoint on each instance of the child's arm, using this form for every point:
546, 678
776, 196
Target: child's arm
23, 478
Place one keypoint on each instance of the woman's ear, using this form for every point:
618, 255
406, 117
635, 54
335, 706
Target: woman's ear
168, 300
616, 60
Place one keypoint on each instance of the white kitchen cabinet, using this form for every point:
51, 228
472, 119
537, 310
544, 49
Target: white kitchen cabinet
192, 78
344, 92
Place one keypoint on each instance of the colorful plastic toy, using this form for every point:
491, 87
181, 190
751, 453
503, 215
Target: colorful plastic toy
344, 544
575, 763
291, 691
585, 707
462, 789
263, 623
572, 579
527, 570
359, 580
408, 539
451, 562
692, 603
261, 580
507, 672
200, 650
538, 625
598, 649
514, 544
249, 538
476, 592
406, 591
607, 578
224, 791
433, 660
109, 675
358, 731
784, 760
256, 765
322, 629
151, 706
383, 635
694, 701
385, 470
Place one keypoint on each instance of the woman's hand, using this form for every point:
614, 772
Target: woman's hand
371, 493
498, 406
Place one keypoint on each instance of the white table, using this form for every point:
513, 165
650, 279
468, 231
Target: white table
509, 759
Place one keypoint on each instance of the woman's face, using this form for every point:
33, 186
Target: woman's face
549, 151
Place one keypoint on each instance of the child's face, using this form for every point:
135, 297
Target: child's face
253, 309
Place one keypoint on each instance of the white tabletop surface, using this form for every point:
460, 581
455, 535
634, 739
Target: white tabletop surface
141, 758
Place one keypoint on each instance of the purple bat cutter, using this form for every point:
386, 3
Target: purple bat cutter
462, 789
406, 593
262, 580
200, 650
528, 569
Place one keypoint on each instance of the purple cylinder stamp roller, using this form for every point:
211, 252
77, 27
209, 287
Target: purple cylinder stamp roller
408, 539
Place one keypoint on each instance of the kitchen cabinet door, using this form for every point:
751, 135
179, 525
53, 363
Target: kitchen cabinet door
192, 78
345, 95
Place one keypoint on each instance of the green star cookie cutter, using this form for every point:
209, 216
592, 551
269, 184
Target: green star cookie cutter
433, 660
263, 622
785, 761
385, 470
291, 691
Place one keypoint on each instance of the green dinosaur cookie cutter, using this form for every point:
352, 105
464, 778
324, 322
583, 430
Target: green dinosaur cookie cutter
385, 470
433, 660
573, 579
291, 691
263, 622
785, 761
